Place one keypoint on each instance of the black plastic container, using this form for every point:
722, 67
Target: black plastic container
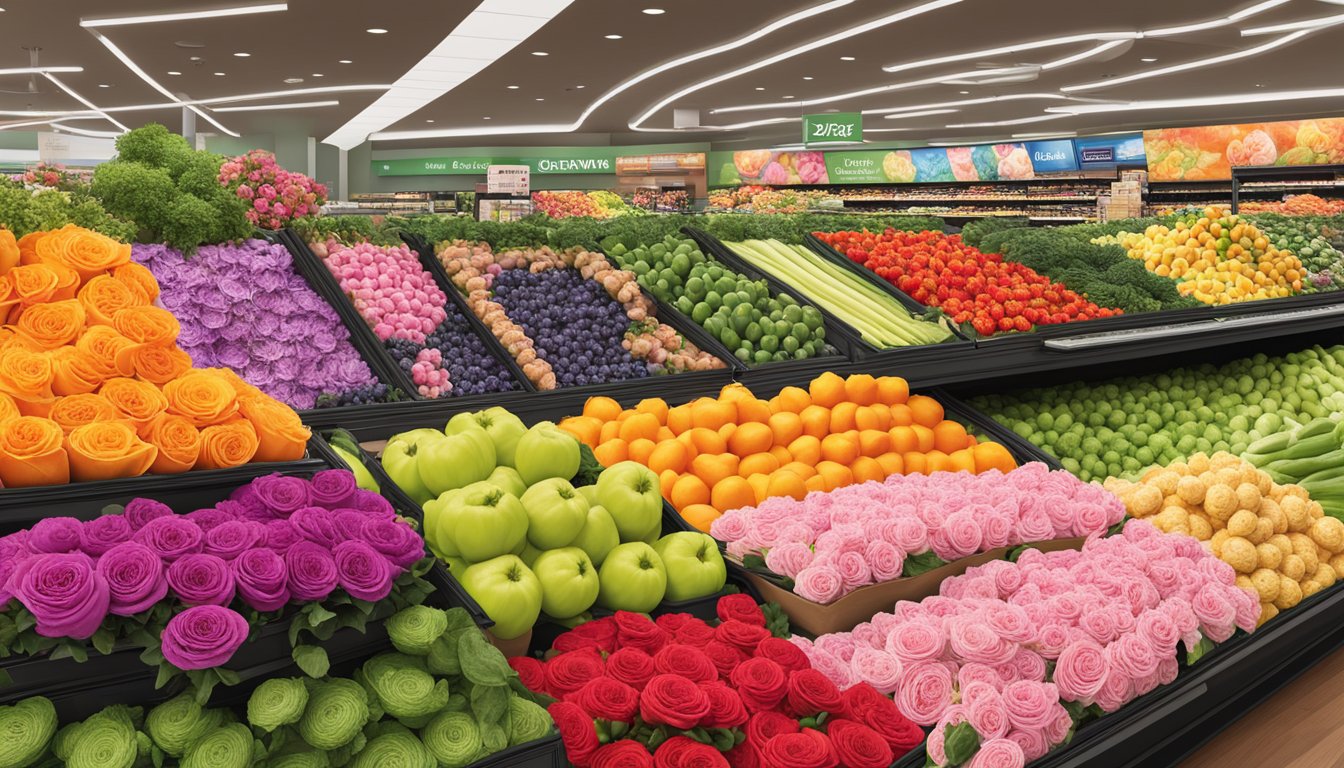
982, 425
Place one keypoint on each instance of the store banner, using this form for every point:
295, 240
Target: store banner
1055, 156
1211, 152
566, 160
832, 128
768, 166
1109, 151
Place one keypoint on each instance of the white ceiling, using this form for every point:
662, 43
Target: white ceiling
759, 60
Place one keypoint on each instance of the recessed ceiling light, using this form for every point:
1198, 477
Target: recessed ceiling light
759, 88
512, 87
540, 99
293, 80
219, 74
540, 53
188, 44
429, 121
242, 54
846, 58
345, 61
317, 74
807, 77
174, 74
963, 93
1259, 85
487, 118
104, 85
786, 97
195, 58
613, 37
1149, 60
376, 31
580, 87
654, 11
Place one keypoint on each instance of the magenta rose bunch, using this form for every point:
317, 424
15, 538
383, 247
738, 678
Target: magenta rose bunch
831, 544
992, 659
276, 196
277, 541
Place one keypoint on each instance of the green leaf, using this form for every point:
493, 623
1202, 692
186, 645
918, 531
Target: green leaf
318, 614
296, 625
482, 663
489, 703
24, 620
103, 640
723, 739
701, 735
365, 607
8, 632
227, 676
960, 743
777, 621
922, 563
312, 660
166, 672
494, 738
1193, 656
156, 756
5, 678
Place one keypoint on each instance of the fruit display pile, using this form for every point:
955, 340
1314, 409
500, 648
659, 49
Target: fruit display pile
603, 329
1296, 205
523, 540
1310, 240
756, 325
880, 320
1309, 455
426, 335
981, 290
717, 454
1121, 427
596, 205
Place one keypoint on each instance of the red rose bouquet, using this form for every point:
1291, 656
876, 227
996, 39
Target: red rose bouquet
680, 692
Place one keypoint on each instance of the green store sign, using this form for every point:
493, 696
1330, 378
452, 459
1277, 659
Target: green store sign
561, 161
863, 167
832, 128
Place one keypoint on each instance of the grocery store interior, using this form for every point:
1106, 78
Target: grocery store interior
626, 384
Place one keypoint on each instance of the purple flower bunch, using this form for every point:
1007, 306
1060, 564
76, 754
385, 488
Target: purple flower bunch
274, 541
833, 543
245, 307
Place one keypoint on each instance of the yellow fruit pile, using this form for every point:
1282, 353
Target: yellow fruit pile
1218, 258
1281, 543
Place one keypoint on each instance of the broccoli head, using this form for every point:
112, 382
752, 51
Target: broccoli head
155, 146
135, 191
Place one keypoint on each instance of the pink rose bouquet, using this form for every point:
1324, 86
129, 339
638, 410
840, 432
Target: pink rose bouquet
276, 196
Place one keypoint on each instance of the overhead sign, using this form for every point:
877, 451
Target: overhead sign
560, 160
832, 128
1211, 152
1052, 156
508, 180
1109, 151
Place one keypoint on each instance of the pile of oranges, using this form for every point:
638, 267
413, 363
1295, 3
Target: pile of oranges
735, 450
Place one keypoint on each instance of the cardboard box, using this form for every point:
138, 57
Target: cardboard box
863, 603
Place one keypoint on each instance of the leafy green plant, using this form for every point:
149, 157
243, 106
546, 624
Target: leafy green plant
22, 212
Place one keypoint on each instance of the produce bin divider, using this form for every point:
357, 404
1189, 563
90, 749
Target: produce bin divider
86, 696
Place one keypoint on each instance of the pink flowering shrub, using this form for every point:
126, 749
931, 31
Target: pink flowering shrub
276, 196
1003, 647
832, 543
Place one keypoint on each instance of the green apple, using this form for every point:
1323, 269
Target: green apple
652, 535
456, 565
529, 555
503, 427
363, 478
488, 522
589, 492
440, 527
508, 479
401, 462
633, 578
631, 493
507, 591
599, 535
555, 513
569, 582
546, 451
695, 567
455, 461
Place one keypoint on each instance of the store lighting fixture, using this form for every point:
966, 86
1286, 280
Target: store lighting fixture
242, 55
540, 53
807, 77
151, 82
72, 94
345, 61
786, 97
104, 85
489, 32
173, 73
922, 113
964, 93
376, 31
613, 37
1305, 24
318, 74
429, 121
654, 11
1089, 53
892, 113
1018, 121
1046, 135
293, 80
219, 74
153, 18
39, 70
1244, 13
195, 58
1189, 65
86, 131
511, 87
269, 107
760, 88
980, 75
846, 58
610, 94
1148, 60
823, 42
540, 99
580, 87
487, 118
1201, 101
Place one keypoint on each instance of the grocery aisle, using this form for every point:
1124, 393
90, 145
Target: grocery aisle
1298, 727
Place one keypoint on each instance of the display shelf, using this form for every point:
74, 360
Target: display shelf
1276, 179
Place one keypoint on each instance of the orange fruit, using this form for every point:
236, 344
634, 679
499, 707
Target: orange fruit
816, 421
925, 436
901, 415
669, 454
610, 431
903, 439
712, 413
700, 516
760, 485
936, 461
865, 469
640, 425
679, 419
891, 463
655, 406
602, 408
827, 390
800, 469
707, 440
611, 452
842, 416
962, 460
835, 475
874, 442
861, 389
732, 493
782, 454
892, 390
714, 467
735, 391
664, 434
915, 463
751, 437
806, 449
926, 410
785, 483
726, 431
586, 428
839, 448
764, 463
993, 456
869, 417
666, 479
815, 483
641, 449
949, 436
752, 410
688, 490
793, 399
786, 426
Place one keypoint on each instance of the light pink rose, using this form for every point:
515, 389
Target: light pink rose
974, 640
1159, 631
819, 583
1090, 519
1117, 691
1167, 670
853, 569
1059, 728
1098, 625
885, 561
877, 668
1010, 622
925, 691
788, 559
963, 535
839, 644
988, 716
1217, 616
933, 747
1029, 664
999, 753
916, 641
973, 673
910, 535
731, 525
1033, 743
1030, 704
839, 672
1035, 525
1081, 671
998, 530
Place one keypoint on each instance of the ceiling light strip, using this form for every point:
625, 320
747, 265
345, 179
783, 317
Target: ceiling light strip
938, 79
151, 82
269, 107
1010, 49
85, 131
154, 18
38, 70
1202, 101
71, 92
1310, 24
1077, 57
1189, 65
1244, 13
1018, 121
